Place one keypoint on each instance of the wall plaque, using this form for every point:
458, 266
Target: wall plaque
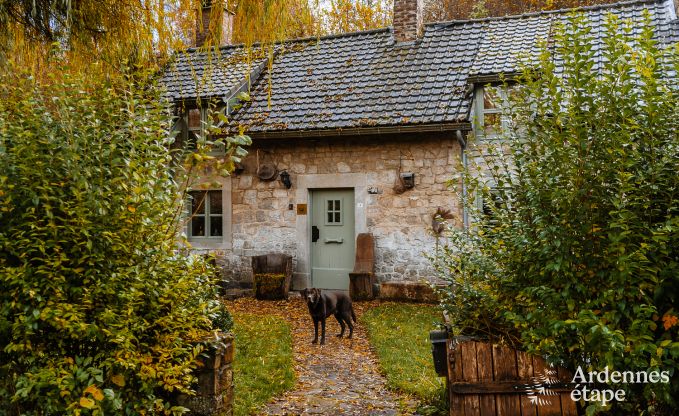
301, 209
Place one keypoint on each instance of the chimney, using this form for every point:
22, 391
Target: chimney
214, 24
408, 25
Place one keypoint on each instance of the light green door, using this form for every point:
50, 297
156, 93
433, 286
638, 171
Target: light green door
332, 238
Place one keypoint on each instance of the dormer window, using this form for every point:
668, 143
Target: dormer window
194, 122
192, 128
490, 107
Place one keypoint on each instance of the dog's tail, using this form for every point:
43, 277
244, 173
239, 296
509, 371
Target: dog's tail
353, 315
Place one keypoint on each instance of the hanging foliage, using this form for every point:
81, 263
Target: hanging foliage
272, 20
341, 16
442, 10
93, 35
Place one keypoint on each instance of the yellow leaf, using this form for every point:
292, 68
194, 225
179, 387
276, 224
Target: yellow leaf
131, 208
118, 380
86, 403
95, 392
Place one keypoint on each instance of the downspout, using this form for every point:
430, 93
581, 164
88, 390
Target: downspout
463, 157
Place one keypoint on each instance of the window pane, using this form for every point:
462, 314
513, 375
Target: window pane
197, 202
337, 217
329, 217
329, 205
215, 226
215, 115
198, 226
491, 123
194, 119
192, 140
491, 98
215, 202
512, 93
337, 205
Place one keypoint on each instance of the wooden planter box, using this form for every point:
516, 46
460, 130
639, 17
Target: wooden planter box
489, 380
271, 276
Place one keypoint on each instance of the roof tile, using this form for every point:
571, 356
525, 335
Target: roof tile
365, 79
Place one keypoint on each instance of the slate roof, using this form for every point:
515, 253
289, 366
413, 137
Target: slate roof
195, 73
365, 79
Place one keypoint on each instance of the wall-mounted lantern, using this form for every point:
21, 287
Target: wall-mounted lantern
408, 180
285, 179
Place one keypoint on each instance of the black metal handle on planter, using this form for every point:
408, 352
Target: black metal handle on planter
438, 350
315, 234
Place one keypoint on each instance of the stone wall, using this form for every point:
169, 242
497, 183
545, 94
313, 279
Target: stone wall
214, 393
265, 219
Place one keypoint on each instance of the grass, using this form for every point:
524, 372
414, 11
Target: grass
399, 333
263, 366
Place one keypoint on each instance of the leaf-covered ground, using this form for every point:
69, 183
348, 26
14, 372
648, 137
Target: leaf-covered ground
341, 377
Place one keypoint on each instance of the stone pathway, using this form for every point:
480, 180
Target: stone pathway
339, 378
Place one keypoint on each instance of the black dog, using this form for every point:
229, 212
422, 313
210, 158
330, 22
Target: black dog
322, 304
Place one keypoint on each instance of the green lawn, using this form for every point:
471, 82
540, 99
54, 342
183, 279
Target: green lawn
263, 366
399, 333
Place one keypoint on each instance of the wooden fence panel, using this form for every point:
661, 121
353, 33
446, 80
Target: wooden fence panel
493, 380
484, 354
524, 363
470, 374
552, 404
505, 369
455, 373
568, 406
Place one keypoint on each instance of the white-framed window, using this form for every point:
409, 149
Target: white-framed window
207, 219
334, 214
490, 107
207, 213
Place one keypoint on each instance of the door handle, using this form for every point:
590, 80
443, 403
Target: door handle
332, 240
315, 234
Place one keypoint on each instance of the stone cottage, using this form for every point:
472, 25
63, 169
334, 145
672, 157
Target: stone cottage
353, 133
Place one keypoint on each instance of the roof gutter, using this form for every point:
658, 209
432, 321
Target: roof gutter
361, 131
493, 78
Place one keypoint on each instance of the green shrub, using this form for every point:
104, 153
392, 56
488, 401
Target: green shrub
99, 312
578, 256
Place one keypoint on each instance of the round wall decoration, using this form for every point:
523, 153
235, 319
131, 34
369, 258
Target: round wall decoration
267, 172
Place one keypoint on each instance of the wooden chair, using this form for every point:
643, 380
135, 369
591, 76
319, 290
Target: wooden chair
362, 280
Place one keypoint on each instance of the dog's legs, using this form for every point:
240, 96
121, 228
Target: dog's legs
351, 326
341, 322
315, 332
322, 331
